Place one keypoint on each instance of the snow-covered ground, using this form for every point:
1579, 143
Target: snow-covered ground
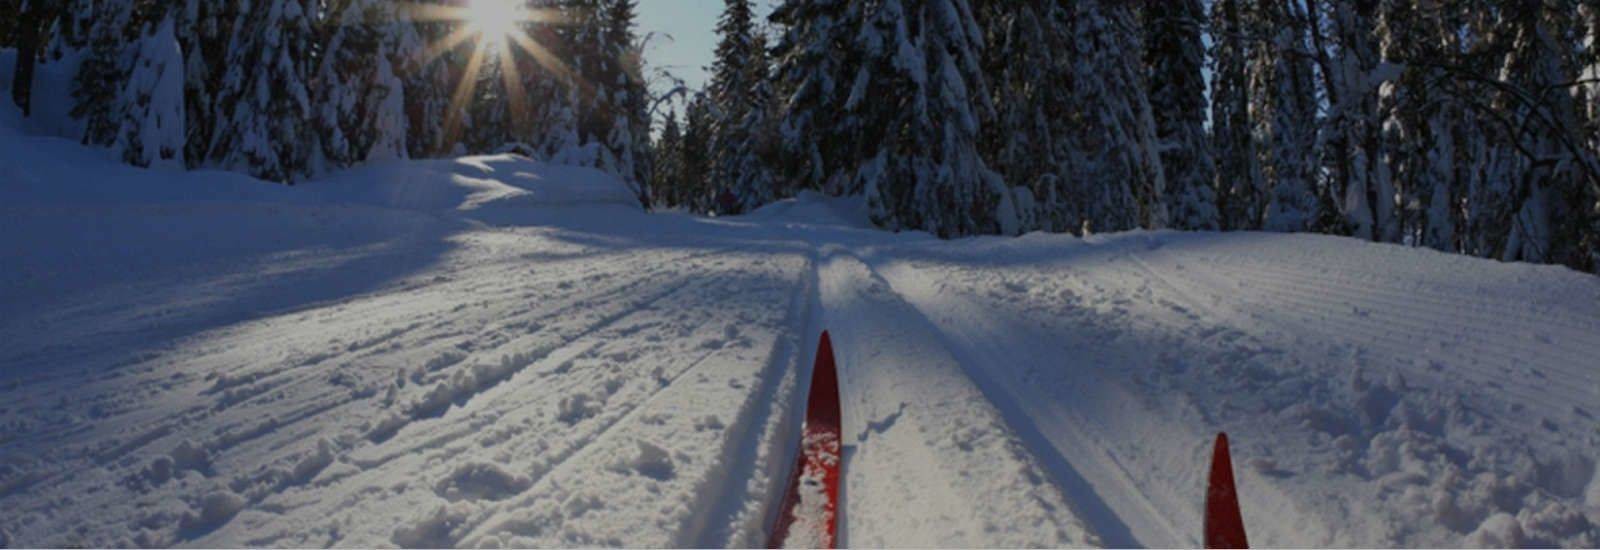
495, 352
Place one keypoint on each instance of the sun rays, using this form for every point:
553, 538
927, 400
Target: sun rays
493, 27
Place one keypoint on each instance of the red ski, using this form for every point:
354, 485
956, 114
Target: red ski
807, 518
1224, 523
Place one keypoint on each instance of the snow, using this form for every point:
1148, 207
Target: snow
491, 351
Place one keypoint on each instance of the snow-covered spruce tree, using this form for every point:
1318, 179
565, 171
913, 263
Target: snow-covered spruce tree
1074, 126
1358, 157
694, 158
1119, 173
913, 102
550, 126
629, 137
1589, 14
667, 151
756, 183
920, 92
486, 126
427, 80
1026, 57
152, 125
1283, 110
740, 98
1241, 189
204, 30
360, 97
609, 96
264, 112
815, 57
1430, 132
1537, 163
1174, 58
97, 88
74, 24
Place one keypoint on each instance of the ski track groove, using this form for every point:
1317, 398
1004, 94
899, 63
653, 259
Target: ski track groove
719, 527
267, 381
563, 348
579, 321
1084, 498
562, 462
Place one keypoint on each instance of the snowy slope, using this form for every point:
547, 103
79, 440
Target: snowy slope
495, 352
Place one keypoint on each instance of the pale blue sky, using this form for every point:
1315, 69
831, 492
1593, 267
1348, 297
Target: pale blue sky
685, 35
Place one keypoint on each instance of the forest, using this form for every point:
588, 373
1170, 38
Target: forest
1469, 126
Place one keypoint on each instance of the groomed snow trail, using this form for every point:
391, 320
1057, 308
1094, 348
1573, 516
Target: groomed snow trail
241, 371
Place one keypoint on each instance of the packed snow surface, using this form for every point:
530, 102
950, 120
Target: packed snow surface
496, 352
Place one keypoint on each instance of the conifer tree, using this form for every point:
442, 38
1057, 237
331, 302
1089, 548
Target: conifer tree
204, 30
1174, 57
668, 153
73, 24
97, 88
742, 99
1120, 178
263, 105
1537, 164
152, 119
1240, 182
1028, 59
361, 102
815, 60
915, 102
694, 159
1358, 154
1283, 113
428, 82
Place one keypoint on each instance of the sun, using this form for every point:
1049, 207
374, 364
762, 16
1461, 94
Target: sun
494, 21
495, 28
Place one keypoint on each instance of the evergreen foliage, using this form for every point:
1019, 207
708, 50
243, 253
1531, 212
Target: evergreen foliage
1469, 127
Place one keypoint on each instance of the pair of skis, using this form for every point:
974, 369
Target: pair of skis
808, 516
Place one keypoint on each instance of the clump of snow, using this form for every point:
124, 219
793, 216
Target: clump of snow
578, 406
189, 455
652, 461
160, 470
215, 509
313, 463
439, 528
481, 481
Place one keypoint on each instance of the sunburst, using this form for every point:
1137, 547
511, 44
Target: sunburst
493, 26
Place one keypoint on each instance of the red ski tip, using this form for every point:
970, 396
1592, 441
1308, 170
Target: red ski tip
1224, 523
808, 515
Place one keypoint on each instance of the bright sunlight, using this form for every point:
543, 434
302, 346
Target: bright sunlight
494, 20
493, 26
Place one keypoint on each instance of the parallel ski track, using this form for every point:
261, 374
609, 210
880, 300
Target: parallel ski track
197, 413
1063, 454
321, 404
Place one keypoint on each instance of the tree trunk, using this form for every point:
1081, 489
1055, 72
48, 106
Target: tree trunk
27, 54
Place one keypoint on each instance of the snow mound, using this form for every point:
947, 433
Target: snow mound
816, 208
485, 185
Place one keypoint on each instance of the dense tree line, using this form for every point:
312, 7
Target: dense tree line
1465, 126
1469, 126
286, 89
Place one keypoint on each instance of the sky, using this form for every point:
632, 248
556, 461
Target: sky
682, 36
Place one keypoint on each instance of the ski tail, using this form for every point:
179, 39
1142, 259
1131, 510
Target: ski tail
808, 515
1224, 523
